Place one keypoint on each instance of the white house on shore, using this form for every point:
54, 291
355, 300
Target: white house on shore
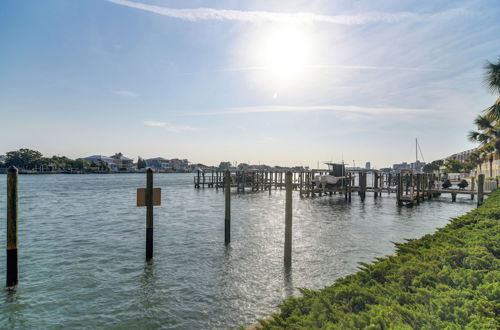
158, 163
116, 163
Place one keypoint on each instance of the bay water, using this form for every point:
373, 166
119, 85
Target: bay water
82, 247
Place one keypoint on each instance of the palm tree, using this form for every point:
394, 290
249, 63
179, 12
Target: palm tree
492, 78
474, 160
488, 134
488, 124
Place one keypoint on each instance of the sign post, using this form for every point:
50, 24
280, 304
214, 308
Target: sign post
149, 197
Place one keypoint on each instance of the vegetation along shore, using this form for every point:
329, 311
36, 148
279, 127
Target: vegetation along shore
448, 279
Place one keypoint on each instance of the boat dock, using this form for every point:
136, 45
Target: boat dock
410, 188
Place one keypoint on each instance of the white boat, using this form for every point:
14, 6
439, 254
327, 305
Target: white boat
336, 172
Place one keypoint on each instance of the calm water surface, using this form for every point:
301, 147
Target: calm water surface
82, 251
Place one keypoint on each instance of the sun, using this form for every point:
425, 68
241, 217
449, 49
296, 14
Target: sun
284, 53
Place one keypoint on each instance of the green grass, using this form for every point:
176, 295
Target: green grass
445, 280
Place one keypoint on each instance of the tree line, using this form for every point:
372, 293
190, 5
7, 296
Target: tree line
28, 159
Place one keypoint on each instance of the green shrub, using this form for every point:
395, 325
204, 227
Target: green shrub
447, 280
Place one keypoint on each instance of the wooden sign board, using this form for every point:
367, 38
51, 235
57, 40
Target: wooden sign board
141, 196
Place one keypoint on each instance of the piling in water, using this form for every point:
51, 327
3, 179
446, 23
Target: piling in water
149, 214
288, 219
227, 217
12, 222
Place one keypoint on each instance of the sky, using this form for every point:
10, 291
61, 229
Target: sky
263, 81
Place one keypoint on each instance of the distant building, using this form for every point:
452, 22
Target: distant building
158, 163
3, 159
417, 166
115, 163
179, 164
121, 163
368, 166
461, 156
98, 158
398, 167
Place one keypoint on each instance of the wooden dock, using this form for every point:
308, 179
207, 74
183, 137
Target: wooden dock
410, 188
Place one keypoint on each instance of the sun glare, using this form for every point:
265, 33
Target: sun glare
284, 53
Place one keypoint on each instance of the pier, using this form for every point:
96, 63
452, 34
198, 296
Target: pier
410, 188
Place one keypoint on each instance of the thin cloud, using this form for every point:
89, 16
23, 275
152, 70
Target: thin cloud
125, 93
204, 14
327, 108
169, 127
341, 67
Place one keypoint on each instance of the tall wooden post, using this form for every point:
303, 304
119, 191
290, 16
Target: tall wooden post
270, 182
288, 219
431, 184
216, 180
349, 187
363, 186
399, 189
238, 182
375, 185
344, 184
149, 214
480, 189
227, 217
418, 179
389, 182
472, 181
244, 181
12, 222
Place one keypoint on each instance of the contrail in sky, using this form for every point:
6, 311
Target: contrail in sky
203, 14
341, 108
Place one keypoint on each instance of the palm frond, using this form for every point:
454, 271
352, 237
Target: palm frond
492, 77
483, 122
472, 136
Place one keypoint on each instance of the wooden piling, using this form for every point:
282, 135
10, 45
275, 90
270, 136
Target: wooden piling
480, 189
399, 189
472, 181
12, 223
216, 180
270, 182
418, 185
288, 220
389, 183
149, 214
244, 181
375, 185
453, 197
349, 187
227, 217
362, 177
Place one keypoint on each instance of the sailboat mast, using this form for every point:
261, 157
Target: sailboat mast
416, 150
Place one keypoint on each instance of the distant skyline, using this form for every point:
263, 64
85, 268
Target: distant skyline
270, 82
